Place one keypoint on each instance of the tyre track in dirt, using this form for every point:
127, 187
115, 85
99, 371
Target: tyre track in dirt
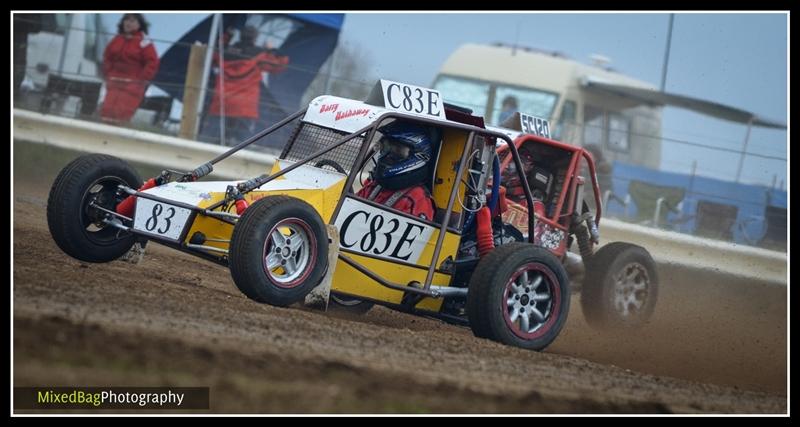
178, 320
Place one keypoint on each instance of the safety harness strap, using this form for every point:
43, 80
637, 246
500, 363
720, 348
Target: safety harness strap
394, 198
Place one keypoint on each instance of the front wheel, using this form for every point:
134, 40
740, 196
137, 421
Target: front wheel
620, 287
278, 251
347, 304
519, 295
75, 207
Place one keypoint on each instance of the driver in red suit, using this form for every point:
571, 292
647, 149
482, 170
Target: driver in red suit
404, 165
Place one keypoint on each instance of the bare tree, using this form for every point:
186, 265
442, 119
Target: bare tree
345, 73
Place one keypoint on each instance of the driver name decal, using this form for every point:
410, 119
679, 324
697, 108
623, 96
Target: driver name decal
350, 113
344, 112
328, 107
371, 231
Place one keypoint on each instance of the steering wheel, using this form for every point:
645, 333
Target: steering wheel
327, 162
370, 157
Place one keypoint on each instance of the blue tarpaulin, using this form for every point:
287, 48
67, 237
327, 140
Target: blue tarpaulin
330, 20
750, 200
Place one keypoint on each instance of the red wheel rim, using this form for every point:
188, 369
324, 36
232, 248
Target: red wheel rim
290, 253
531, 301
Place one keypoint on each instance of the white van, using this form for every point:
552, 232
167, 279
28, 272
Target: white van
552, 86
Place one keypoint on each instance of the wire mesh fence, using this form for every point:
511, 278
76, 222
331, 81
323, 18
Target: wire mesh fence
43, 83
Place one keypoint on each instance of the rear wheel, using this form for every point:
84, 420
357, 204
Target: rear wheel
620, 286
519, 295
75, 217
279, 250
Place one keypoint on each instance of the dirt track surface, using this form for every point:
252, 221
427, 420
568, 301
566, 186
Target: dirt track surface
716, 344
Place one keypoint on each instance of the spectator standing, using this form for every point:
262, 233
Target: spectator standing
508, 108
239, 84
130, 61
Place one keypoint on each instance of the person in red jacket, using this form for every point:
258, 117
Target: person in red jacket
130, 61
238, 87
403, 168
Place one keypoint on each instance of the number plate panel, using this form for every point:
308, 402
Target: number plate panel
160, 219
382, 234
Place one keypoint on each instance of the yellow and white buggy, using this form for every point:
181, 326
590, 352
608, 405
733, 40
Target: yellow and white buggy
301, 229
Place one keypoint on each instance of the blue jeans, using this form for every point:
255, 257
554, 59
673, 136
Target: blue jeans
237, 129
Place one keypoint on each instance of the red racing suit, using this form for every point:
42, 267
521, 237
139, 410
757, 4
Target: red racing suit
415, 200
242, 68
128, 66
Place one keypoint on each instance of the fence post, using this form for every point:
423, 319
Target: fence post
744, 150
191, 92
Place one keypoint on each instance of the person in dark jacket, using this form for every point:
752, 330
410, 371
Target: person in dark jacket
508, 108
130, 61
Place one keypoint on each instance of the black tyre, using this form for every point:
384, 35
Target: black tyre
331, 164
349, 304
620, 287
75, 225
519, 295
279, 250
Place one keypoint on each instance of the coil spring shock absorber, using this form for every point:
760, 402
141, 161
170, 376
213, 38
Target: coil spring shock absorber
585, 235
484, 231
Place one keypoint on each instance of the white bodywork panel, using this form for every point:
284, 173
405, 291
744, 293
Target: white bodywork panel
307, 176
190, 192
304, 177
341, 114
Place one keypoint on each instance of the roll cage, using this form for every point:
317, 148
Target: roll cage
365, 135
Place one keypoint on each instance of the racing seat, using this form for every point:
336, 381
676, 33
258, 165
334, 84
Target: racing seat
59, 89
654, 202
715, 220
160, 107
775, 236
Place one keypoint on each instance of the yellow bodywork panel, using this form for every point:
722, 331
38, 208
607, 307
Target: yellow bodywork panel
348, 280
398, 248
449, 156
323, 200
329, 196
